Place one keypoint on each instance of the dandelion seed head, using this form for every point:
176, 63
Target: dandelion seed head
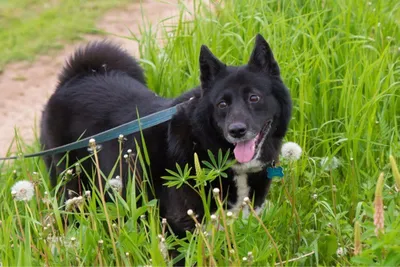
216, 191
92, 142
163, 249
116, 184
340, 251
329, 164
291, 151
23, 190
74, 202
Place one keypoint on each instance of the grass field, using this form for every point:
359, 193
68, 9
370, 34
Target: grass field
29, 27
341, 61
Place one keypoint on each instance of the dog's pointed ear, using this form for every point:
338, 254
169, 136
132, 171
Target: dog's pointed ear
262, 58
210, 67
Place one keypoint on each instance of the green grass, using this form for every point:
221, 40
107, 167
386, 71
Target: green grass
340, 60
29, 27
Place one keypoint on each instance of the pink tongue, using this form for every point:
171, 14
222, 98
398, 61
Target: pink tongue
244, 151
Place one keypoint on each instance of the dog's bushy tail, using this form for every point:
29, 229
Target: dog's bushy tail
98, 58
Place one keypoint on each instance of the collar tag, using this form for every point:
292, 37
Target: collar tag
274, 172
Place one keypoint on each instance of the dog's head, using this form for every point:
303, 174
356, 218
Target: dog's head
250, 105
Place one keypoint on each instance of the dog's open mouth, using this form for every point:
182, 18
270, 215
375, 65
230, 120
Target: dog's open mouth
245, 151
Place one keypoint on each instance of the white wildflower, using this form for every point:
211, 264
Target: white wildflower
74, 202
163, 248
92, 142
116, 184
329, 164
23, 190
216, 191
291, 151
315, 196
190, 212
341, 252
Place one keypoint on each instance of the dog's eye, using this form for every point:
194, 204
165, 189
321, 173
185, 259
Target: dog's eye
222, 104
254, 98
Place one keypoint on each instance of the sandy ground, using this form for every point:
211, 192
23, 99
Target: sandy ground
25, 87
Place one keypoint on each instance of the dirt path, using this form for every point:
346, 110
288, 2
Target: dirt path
25, 88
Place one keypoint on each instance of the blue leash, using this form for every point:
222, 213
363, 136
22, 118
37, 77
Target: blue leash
124, 129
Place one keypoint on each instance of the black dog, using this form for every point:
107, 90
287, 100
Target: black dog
245, 109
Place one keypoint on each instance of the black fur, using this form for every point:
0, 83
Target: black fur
102, 87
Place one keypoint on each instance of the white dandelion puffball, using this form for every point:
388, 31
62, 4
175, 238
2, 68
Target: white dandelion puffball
291, 151
329, 164
116, 184
74, 202
23, 190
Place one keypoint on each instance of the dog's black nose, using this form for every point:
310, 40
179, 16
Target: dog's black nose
237, 129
